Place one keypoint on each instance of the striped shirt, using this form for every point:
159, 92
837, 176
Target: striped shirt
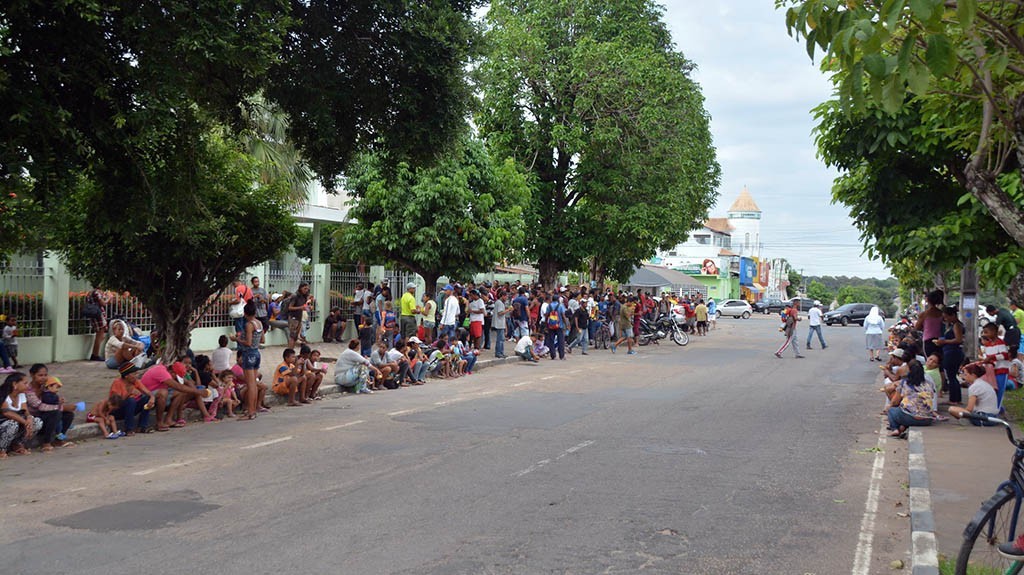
995, 350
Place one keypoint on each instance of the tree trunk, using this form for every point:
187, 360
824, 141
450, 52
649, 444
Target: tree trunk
548, 273
173, 335
430, 278
999, 204
1015, 293
1018, 129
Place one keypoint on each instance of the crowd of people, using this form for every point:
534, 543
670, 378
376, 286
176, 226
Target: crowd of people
400, 344
926, 361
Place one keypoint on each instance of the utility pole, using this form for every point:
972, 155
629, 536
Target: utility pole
969, 309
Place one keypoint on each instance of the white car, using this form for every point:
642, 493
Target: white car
734, 308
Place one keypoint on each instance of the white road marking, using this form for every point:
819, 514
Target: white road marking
549, 377
451, 401
266, 443
544, 462
520, 384
349, 424
862, 556
483, 393
574, 371
402, 412
168, 466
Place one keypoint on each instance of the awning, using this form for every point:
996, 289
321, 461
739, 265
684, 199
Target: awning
755, 288
759, 286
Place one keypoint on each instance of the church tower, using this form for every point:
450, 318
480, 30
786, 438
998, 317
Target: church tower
745, 218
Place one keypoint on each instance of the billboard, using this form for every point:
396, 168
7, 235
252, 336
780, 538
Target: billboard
762, 273
747, 271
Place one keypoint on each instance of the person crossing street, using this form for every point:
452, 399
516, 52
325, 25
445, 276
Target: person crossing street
814, 326
791, 318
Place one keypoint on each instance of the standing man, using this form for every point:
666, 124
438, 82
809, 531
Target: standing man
450, 313
1011, 337
712, 312
792, 316
581, 318
814, 326
520, 314
488, 296
408, 311
476, 309
498, 315
701, 312
262, 300
296, 305
358, 299
554, 320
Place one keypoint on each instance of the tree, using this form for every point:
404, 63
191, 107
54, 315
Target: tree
133, 119
967, 51
456, 218
817, 290
593, 101
795, 280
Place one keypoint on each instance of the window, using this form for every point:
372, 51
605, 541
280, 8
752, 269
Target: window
672, 254
703, 240
746, 242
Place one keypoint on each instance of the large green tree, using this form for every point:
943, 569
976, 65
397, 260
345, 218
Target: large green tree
594, 102
455, 218
963, 59
135, 123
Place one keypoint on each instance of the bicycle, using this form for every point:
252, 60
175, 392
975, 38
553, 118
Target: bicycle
995, 523
602, 336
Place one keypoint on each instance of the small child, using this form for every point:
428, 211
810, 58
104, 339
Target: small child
51, 389
286, 383
11, 339
366, 337
221, 357
316, 371
229, 399
102, 415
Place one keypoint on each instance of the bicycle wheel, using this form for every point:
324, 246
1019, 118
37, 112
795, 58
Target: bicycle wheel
603, 335
989, 528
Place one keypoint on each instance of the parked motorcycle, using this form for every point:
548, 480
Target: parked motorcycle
662, 328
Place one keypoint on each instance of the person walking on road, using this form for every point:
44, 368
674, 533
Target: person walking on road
814, 326
874, 325
792, 316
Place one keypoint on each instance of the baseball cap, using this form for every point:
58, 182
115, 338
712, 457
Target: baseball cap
415, 340
448, 287
410, 285
178, 369
900, 353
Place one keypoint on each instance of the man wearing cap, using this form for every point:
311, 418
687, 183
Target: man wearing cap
450, 313
476, 310
135, 399
407, 311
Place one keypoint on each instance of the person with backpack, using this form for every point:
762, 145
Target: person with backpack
555, 323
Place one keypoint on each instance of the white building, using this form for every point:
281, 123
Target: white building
711, 242
745, 219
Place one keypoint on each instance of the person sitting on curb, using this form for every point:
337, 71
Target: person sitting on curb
102, 415
914, 402
286, 382
57, 418
524, 348
135, 399
386, 369
981, 397
164, 386
16, 424
352, 369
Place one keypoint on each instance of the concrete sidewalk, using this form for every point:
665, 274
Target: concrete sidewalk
89, 381
965, 465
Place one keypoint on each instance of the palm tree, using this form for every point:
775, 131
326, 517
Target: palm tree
266, 140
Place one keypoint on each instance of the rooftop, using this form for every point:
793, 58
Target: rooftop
720, 225
744, 203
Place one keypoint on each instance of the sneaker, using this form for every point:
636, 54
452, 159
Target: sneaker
120, 433
631, 352
824, 347
613, 349
113, 435
61, 437
1013, 549
778, 355
800, 356
7, 370
583, 353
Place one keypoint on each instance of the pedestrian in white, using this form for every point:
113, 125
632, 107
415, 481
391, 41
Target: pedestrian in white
874, 325
814, 326
450, 314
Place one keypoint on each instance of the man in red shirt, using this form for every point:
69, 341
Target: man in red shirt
792, 316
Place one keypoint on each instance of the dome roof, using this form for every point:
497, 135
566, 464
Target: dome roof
744, 203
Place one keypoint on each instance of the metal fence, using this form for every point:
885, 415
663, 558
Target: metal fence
21, 297
343, 287
281, 281
129, 308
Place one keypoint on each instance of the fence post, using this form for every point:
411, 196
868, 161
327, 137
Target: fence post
322, 283
56, 290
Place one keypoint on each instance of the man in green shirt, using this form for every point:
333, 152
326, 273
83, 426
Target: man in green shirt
1018, 314
408, 311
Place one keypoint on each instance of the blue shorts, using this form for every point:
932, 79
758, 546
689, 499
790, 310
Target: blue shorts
979, 423
250, 359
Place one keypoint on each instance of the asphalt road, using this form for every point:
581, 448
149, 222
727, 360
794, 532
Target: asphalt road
714, 458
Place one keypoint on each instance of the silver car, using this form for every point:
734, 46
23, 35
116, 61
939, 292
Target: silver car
734, 308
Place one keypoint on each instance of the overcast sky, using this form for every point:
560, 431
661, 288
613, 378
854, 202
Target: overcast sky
760, 87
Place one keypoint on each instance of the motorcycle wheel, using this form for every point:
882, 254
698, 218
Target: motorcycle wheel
644, 340
680, 337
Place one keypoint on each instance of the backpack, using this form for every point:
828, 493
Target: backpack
554, 321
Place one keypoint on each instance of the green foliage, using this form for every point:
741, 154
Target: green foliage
795, 278
456, 218
304, 243
817, 290
593, 101
387, 75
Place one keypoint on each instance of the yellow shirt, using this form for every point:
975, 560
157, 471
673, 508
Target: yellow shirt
408, 304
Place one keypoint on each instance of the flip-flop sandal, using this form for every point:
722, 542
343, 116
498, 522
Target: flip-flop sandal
263, 410
47, 449
162, 429
21, 451
177, 425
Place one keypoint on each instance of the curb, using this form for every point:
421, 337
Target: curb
82, 431
924, 551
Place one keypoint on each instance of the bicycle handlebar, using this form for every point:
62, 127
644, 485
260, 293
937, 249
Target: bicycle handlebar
996, 421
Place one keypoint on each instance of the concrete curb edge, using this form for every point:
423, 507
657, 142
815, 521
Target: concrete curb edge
82, 431
924, 550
